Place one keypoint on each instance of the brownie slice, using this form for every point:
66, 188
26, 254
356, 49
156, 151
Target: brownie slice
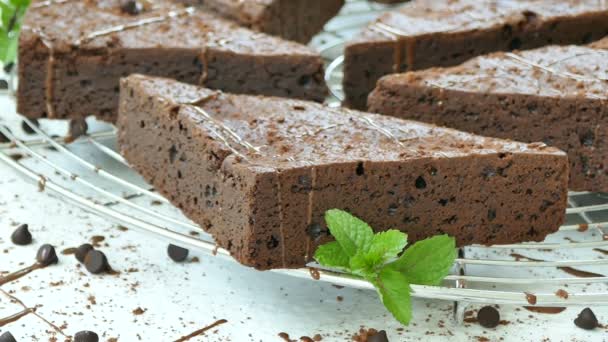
554, 94
73, 53
297, 20
258, 173
428, 33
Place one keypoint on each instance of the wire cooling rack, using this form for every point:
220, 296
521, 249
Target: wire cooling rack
568, 268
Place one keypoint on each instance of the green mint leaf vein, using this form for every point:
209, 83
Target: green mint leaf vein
394, 291
332, 255
358, 251
351, 233
428, 261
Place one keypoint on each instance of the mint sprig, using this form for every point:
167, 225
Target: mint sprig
11, 15
376, 258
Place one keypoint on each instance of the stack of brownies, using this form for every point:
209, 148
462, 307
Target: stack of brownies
219, 112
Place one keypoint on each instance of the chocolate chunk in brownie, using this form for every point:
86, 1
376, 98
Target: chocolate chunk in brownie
555, 94
297, 20
257, 173
72, 55
429, 33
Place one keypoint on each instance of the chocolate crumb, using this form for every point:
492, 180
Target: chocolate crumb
314, 273
69, 251
488, 317
284, 336
583, 227
562, 293
46, 255
586, 320
86, 336
530, 298
131, 7
139, 311
21, 236
176, 253
78, 127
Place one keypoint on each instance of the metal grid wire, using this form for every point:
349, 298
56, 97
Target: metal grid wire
92, 175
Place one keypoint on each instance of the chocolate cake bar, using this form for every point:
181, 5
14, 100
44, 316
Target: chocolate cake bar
554, 94
73, 53
258, 173
429, 33
297, 20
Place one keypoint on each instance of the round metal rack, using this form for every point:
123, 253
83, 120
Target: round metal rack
91, 174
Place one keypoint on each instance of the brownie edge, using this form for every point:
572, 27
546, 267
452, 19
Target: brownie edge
258, 173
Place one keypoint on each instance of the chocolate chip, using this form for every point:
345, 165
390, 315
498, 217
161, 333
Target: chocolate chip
82, 251
26, 127
8, 67
21, 236
380, 336
7, 337
420, 183
586, 320
46, 255
176, 253
4, 138
488, 317
131, 7
3, 85
86, 336
78, 128
96, 262
314, 231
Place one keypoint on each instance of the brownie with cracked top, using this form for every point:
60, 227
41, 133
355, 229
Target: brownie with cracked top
297, 20
555, 94
429, 33
73, 53
258, 173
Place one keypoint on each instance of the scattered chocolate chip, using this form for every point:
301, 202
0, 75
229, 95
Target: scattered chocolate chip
46, 255
78, 128
3, 85
82, 251
488, 317
586, 320
96, 262
176, 253
4, 138
380, 336
131, 7
8, 67
86, 336
7, 337
21, 236
26, 127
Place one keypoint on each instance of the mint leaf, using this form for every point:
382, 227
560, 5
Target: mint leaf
11, 15
384, 246
332, 255
428, 261
394, 292
360, 252
350, 232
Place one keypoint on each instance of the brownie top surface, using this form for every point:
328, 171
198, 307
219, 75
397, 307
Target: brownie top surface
553, 71
272, 133
424, 17
65, 25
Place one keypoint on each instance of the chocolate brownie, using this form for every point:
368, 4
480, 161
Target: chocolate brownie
428, 33
554, 94
297, 20
73, 53
258, 173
